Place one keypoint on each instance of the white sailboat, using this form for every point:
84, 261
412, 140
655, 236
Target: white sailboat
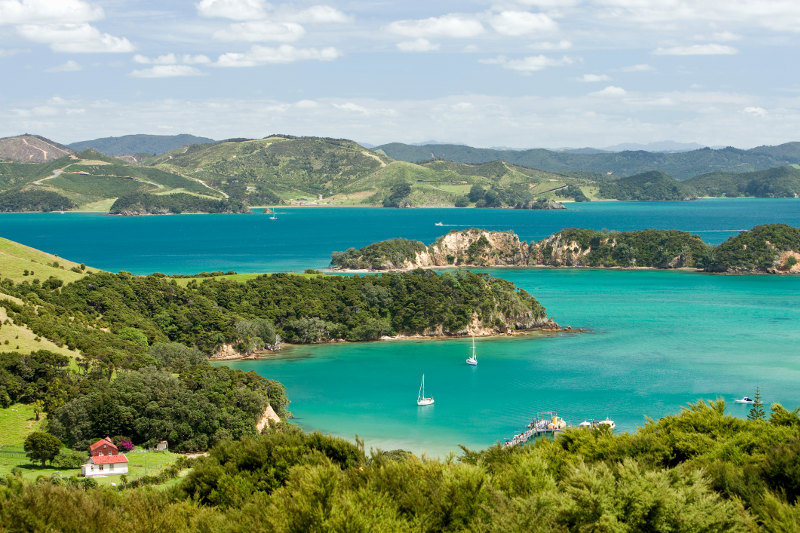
473, 359
421, 399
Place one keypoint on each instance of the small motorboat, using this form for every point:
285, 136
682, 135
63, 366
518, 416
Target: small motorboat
746, 399
607, 423
438, 224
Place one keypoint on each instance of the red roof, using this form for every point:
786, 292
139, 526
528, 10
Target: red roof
109, 459
106, 441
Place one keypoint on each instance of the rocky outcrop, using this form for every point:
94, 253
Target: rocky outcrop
270, 417
474, 247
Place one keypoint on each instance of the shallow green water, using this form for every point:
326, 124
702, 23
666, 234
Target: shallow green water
657, 341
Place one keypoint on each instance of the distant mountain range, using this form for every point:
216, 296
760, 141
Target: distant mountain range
139, 144
679, 165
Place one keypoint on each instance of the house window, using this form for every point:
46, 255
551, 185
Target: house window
111, 466
101, 468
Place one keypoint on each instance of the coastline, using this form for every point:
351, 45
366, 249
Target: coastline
264, 355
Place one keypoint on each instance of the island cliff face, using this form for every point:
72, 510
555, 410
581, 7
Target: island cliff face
765, 249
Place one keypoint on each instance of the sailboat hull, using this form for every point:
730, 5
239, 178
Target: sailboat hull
425, 401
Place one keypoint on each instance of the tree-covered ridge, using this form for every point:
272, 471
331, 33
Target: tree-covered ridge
700, 470
766, 248
770, 248
379, 256
155, 204
113, 318
681, 165
780, 182
17, 201
651, 185
139, 144
645, 248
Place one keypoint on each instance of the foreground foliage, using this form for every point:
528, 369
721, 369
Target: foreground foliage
697, 471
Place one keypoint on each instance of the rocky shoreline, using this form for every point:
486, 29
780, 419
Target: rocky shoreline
550, 328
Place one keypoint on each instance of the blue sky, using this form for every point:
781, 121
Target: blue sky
520, 74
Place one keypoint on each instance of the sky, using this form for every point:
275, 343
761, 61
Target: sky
505, 73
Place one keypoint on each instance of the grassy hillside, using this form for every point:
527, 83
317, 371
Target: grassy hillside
23, 263
31, 149
89, 181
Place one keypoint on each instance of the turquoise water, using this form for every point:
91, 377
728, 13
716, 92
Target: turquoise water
656, 340
304, 238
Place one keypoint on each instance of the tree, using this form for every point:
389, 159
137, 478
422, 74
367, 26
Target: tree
757, 411
476, 193
41, 446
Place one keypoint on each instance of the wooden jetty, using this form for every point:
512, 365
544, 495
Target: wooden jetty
545, 423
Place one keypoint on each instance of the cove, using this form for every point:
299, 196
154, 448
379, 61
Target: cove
657, 341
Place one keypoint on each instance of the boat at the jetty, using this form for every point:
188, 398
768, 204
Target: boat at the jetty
746, 399
421, 399
594, 424
473, 359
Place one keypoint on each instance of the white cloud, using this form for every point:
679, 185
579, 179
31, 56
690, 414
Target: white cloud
75, 38
233, 9
641, 67
166, 71
172, 59
261, 31
516, 23
782, 15
710, 49
592, 78
262, 55
611, 90
350, 107
69, 66
563, 44
417, 45
48, 12
528, 64
755, 111
316, 15
455, 26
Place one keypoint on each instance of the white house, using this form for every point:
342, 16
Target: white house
104, 460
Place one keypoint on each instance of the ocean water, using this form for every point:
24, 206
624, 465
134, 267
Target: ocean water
305, 237
655, 341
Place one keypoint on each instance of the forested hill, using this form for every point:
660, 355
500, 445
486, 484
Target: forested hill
771, 248
139, 144
681, 165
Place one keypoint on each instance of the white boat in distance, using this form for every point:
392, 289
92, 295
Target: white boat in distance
421, 399
473, 359
746, 399
439, 224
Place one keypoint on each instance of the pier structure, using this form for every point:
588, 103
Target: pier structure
545, 423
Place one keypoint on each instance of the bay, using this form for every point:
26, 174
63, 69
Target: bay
303, 238
656, 340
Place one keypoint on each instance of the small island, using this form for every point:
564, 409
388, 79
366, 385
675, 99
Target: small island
770, 248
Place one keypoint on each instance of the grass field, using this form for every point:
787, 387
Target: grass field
183, 282
17, 258
18, 420
14, 338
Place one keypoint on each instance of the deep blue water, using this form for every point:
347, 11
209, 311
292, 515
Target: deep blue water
305, 237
